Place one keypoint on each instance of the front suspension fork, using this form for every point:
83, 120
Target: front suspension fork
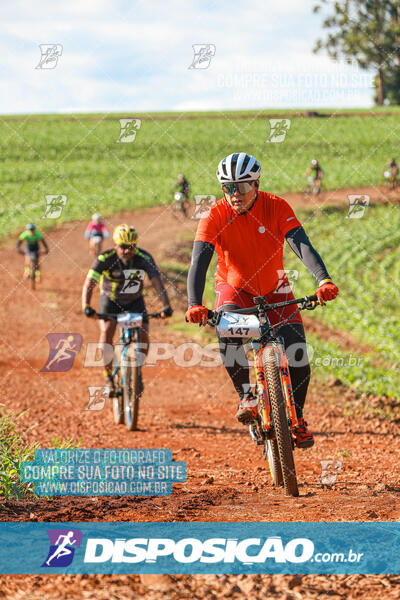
262, 388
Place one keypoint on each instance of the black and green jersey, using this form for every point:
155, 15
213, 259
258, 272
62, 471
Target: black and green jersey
32, 240
121, 282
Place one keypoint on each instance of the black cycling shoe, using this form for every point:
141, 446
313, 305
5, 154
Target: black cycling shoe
247, 411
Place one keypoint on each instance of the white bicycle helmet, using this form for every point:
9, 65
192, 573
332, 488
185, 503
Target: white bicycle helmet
238, 167
96, 217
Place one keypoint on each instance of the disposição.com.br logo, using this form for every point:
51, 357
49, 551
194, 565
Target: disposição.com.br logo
245, 551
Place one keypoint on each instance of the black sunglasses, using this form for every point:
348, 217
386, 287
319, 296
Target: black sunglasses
127, 246
231, 188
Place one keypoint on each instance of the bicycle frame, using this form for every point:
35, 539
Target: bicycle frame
128, 335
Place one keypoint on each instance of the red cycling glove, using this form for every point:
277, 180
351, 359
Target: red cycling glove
327, 291
197, 314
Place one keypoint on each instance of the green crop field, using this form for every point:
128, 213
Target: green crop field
363, 257
79, 156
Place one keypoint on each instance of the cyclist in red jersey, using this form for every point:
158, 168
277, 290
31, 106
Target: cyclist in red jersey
247, 228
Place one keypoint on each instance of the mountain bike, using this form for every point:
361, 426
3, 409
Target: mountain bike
390, 180
180, 206
127, 372
95, 245
312, 187
32, 274
276, 408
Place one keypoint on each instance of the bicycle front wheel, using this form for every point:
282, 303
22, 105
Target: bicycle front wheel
282, 433
32, 275
118, 410
271, 452
132, 388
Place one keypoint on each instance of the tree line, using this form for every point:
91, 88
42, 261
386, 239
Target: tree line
367, 31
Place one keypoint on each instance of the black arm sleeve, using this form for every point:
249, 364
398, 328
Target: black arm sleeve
201, 258
302, 247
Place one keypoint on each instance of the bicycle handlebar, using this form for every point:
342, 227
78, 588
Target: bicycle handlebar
259, 301
308, 302
113, 316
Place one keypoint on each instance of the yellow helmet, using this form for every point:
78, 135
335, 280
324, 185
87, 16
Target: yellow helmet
125, 234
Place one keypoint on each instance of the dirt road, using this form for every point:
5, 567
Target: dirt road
189, 410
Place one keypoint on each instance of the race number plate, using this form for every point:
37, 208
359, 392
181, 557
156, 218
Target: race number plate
235, 325
130, 320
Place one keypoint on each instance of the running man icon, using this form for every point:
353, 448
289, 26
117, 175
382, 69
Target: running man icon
61, 552
63, 348
62, 549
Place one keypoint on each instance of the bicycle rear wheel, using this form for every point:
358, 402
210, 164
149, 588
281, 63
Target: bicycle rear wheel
316, 190
278, 407
132, 387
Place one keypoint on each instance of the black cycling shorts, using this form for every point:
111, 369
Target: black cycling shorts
33, 254
106, 305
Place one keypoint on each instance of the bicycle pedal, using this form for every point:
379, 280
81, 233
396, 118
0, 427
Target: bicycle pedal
255, 434
246, 421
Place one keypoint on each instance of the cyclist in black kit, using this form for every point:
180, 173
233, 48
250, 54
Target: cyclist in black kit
183, 186
181, 195
120, 272
316, 174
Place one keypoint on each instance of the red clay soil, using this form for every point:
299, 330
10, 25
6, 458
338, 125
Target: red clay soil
189, 410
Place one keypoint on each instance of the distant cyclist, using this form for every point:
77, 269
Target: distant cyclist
96, 231
391, 172
247, 228
31, 237
120, 272
183, 186
315, 173
181, 194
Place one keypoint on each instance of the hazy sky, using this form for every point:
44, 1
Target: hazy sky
119, 55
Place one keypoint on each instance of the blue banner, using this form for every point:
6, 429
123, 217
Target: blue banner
195, 548
103, 472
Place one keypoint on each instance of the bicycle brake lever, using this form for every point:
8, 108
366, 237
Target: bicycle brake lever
309, 304
214, 318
